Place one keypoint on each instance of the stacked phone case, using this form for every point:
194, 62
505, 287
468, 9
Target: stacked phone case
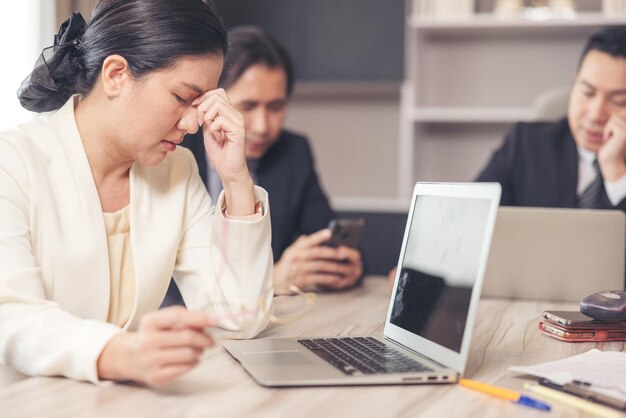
573, 326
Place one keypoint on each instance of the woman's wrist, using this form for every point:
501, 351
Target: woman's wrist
239, 197
114, 361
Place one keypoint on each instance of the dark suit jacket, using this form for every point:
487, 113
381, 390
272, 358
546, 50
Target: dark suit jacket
297, 202
538, 166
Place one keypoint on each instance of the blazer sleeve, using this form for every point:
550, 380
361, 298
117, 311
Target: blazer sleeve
37, 336
501, 166
224, 266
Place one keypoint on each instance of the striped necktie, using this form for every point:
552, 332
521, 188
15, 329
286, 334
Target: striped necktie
591, 197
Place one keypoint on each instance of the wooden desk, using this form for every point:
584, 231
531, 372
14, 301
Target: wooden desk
506, 334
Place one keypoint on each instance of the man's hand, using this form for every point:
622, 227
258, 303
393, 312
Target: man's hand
308, 263
168, 343
391, 276
612, 154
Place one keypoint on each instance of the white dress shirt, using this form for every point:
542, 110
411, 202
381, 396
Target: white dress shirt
616, 190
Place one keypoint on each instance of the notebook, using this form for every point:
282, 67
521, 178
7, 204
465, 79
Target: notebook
555, 254
431, 311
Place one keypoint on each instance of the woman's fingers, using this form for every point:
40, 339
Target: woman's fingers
216, 109
169, 343
175, 317
224, 141
216, 92
220, 121
214, 104
222, 124
178, 338
208, 95
166, 374
175, 356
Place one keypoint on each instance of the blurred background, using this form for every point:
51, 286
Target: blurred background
469, 71
388, 91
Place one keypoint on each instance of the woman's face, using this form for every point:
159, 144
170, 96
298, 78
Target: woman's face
156, 111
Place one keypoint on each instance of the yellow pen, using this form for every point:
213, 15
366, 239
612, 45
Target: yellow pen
503, 393
573, 401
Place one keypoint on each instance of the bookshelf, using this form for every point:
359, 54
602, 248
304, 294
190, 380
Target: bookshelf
469, 79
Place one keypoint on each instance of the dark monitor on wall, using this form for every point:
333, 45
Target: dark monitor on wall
330, 40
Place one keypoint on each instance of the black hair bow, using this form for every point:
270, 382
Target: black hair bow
52, 80
70, 31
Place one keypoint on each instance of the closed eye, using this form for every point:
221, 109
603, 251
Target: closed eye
277, 106
180, 99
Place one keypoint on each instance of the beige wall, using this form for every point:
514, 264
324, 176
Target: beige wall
354, 135
65, 7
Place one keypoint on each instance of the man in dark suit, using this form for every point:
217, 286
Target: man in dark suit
577, 162
258, 78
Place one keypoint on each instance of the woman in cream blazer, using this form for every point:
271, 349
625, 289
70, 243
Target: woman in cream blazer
55, 281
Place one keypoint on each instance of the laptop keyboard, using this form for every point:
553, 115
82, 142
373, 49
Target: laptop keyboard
362, 354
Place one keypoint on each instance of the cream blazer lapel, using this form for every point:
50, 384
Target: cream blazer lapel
77, 261
155, 233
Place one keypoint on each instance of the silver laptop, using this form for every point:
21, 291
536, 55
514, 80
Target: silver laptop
431, 313
555, 254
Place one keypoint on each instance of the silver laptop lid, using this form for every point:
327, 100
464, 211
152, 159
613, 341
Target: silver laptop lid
534, 251
441, 268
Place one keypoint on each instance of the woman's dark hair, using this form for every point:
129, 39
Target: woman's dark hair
249, 46
150, 34
610, 40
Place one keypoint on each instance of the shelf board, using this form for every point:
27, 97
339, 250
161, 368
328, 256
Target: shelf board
488, 22
471, 115
346, 89
370, 204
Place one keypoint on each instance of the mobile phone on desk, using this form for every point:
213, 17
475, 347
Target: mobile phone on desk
576, 319
346, 232
571, 334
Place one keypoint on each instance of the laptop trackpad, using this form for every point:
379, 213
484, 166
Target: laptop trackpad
277, 358
287, 367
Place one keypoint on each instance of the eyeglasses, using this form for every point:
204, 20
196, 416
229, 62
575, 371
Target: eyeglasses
287, 306
291, 305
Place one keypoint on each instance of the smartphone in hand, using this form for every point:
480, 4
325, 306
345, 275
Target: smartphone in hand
346, 232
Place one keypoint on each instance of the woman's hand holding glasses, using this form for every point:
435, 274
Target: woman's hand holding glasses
168, 343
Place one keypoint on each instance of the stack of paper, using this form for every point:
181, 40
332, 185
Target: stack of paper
604, 370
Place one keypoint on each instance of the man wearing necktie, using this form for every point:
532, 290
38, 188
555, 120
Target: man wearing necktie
579, 161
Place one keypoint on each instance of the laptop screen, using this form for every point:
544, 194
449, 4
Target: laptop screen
440, 266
